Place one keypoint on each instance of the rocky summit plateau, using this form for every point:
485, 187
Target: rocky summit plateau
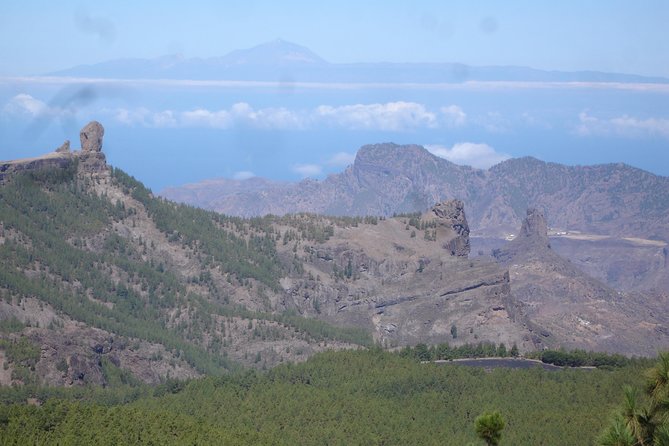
102, 281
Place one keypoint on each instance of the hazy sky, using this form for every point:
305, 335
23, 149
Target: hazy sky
38, 36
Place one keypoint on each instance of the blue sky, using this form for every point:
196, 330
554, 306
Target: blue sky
613, 35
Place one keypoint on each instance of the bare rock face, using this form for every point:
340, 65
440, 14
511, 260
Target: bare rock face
91, 158
91, 137
532, 240
450, 215
65, 148
403, 287
534, 227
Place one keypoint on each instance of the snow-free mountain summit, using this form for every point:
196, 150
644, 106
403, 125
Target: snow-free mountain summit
282, 61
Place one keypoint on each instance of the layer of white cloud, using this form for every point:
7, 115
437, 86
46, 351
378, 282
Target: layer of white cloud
341, 159
204, 118
26, 105
365, 86
240, 113
481, 156
308, 170
243, 175
454, 115
622, 126
271, 118
392, 116
143, 116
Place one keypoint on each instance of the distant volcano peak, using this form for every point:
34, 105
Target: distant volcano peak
277, 51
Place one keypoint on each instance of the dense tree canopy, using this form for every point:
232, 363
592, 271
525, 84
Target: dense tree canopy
353, 397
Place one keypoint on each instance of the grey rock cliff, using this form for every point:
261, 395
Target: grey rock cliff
570, 309
386, 179
534, 228
450, 215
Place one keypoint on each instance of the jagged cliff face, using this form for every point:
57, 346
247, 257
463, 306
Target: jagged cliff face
408, 280
52, 160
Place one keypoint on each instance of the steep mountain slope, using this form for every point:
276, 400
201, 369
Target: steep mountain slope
612, 220
101, 282
610, 199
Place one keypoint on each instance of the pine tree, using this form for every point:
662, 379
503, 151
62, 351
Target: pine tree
489, 426
641, 425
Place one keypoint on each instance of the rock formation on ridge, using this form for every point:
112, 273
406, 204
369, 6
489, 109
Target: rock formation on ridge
91, 137
91, 158
451, 216
570, 309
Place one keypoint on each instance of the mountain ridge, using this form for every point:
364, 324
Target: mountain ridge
284, 61
388, 178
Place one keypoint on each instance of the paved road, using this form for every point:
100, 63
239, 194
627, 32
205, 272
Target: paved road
511, 363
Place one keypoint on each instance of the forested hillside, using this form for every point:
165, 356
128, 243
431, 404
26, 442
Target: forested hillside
97, 274
363, 397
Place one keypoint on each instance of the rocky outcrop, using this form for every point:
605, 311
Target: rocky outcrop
65, 148
50, 160
532, 240
570, 309
91, 137
399, 282
91, 158
450, 216
534, 228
